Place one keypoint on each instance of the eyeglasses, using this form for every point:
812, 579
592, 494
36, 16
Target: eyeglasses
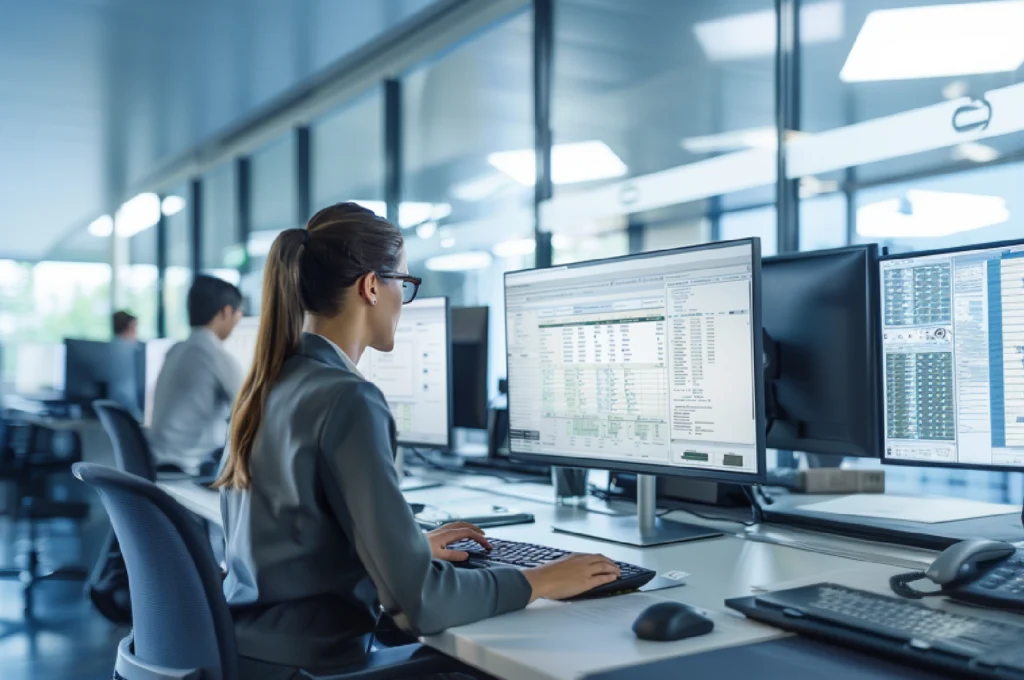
410, 284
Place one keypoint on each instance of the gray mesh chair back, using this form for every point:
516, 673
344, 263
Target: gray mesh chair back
131, 449
182, 626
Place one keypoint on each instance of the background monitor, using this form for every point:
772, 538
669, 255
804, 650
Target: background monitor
414, 376
241, 344
953, 369
469, 367
105, 370
650, 363
39, 369
823, 386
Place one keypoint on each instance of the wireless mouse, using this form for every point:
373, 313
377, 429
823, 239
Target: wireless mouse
670, 621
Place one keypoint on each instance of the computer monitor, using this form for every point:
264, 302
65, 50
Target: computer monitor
241, 344
39, 369
104, 370
823, 382
953, 369
650, 363
156, 352
469, 367
414, 376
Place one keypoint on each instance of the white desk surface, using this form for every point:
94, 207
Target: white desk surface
561, 641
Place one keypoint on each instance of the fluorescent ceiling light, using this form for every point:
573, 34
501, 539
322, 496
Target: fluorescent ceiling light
930, 214
459, 262
102, 226
137, 214
480, 188
975, 152
751, 138
570, 163
172, 205
938, 40
426, 230
410, 213
752, 35
523, 246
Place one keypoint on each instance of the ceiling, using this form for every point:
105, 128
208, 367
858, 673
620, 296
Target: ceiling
96, 94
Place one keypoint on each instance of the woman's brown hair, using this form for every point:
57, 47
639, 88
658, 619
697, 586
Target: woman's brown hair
307, 271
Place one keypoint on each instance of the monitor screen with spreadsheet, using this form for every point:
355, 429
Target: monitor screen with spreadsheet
650, 363
953, 344
414, 376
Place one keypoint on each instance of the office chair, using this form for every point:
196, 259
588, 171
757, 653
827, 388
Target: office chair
182, 625
30, 456
131, 448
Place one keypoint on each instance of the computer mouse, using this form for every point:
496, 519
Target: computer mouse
670, 621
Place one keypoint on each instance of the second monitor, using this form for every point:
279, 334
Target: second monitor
414, 376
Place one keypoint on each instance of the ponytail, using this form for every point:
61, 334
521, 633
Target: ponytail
280, 330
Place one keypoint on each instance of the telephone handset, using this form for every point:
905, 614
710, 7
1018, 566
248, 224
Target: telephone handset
979, 571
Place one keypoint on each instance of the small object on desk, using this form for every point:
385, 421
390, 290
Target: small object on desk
570, 486
671, 621
527, 556
926, 510
482, 516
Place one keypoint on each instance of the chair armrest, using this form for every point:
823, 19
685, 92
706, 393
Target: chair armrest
396, 663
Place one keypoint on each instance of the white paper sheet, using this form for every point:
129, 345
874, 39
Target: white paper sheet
911, 509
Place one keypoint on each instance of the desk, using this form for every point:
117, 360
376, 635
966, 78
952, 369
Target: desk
559, 641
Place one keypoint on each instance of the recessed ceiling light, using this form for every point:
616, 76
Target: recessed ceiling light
931, 214
938, 41
458, 262
751, 138
410, 213
752, 35
975, 152
102, 226
448, 242
137, 214
426, 230
514, 248
172, 205
571, 163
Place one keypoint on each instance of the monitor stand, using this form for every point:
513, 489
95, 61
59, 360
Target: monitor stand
643, 530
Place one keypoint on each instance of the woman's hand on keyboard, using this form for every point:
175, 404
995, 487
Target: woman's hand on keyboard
444, 536
571, 576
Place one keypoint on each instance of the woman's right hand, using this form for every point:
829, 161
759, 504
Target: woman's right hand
570, 576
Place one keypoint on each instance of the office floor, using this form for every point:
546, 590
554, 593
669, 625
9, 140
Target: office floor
70, 641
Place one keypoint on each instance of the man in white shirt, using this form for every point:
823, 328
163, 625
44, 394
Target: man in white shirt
198, 383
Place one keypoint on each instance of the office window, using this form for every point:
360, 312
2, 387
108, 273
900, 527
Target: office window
883, 111
272, 207
759, 222
222, 250
178, 275
138, 279
466, 117
663, 114
348, 154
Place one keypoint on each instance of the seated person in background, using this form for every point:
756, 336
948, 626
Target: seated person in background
318, 533
198, 382
126, 326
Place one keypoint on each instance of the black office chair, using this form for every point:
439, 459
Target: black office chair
30, 456
181, 620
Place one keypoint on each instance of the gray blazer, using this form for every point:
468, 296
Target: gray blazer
323, 536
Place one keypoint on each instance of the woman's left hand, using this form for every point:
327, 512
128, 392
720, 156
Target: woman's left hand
444, 536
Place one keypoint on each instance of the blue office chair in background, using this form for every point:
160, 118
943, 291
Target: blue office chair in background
131, 448
182, 625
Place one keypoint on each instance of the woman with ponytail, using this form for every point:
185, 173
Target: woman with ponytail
319, 537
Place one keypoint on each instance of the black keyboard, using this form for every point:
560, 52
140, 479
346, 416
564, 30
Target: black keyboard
527, 555
971, 645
